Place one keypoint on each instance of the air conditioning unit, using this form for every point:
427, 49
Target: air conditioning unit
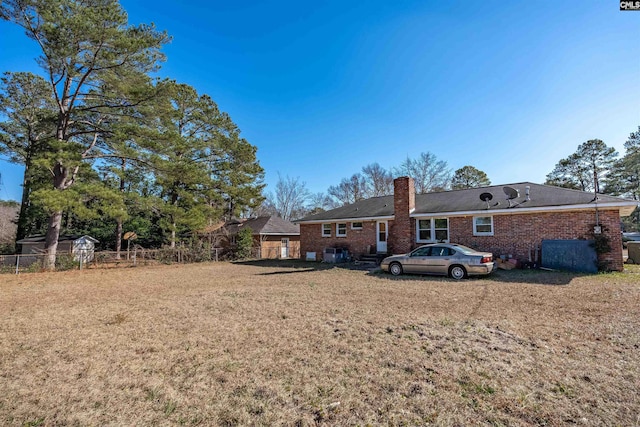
334, 255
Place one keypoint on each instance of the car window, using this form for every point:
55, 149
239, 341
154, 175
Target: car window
440, 251
465, 250
421, 252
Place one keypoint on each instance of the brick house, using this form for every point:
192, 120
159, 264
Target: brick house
273, 237
482, 218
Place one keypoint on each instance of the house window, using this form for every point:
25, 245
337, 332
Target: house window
432, 230
424, 230
483, 226
326, 230
441, 229
341, 230
356, 226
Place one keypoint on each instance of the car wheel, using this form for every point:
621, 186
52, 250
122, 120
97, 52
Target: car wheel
395, 269
457, 272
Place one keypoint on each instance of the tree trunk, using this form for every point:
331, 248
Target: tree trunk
118, 238
60, 174
24, 205
174, 202
123, 167
51, 241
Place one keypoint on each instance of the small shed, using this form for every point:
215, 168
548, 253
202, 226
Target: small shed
81, 247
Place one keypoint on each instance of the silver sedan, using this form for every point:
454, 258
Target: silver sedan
444, 259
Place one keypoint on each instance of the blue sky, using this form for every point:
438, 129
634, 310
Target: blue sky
324, 88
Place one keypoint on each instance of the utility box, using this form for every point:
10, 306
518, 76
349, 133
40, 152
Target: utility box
634, 252
334, 255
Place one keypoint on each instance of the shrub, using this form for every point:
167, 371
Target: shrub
245, 242
66, 262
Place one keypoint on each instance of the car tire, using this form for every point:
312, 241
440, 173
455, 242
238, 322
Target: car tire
395, 268
457, 272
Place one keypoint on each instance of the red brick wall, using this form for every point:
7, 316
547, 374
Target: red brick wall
519, 235
358, 242
270, 246
402, 233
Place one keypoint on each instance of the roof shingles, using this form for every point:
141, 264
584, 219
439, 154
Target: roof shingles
468, 200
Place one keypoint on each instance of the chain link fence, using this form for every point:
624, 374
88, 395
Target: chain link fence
31, 263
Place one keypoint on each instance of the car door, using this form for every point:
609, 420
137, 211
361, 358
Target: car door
438, 260
416, 260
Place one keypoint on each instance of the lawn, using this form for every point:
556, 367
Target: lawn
290, 344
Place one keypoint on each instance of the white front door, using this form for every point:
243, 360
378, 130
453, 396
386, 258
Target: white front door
284, 248
381, 238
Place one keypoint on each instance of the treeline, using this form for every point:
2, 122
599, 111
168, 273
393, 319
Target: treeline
593, 167
596, 167
105, 147
292, 200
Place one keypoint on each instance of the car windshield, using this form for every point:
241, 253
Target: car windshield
465, 250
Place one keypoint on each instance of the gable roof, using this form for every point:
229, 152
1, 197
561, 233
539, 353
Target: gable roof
265, 225
541, 198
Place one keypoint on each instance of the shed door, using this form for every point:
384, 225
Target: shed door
284, 247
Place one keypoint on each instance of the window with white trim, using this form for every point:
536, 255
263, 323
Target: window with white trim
424, 230
483, 226
356, 226
326, 230
341, 229
441, 226
432, 230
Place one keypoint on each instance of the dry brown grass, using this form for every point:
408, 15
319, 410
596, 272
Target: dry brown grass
269, 344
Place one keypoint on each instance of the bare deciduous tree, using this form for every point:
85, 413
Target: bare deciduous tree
290, 198
320, 202
429, 173
350, 190
8, 217
378, 180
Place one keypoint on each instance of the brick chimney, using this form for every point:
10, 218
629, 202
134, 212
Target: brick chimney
402, 232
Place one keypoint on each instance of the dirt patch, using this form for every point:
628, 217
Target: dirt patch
263, 344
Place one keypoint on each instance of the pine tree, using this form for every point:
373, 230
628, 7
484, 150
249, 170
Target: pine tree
85, 45
469, 177
584, 169
202, 167
30, 114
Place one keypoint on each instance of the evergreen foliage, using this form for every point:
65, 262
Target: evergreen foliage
469, 177
244, 241
584, 169
105, 148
